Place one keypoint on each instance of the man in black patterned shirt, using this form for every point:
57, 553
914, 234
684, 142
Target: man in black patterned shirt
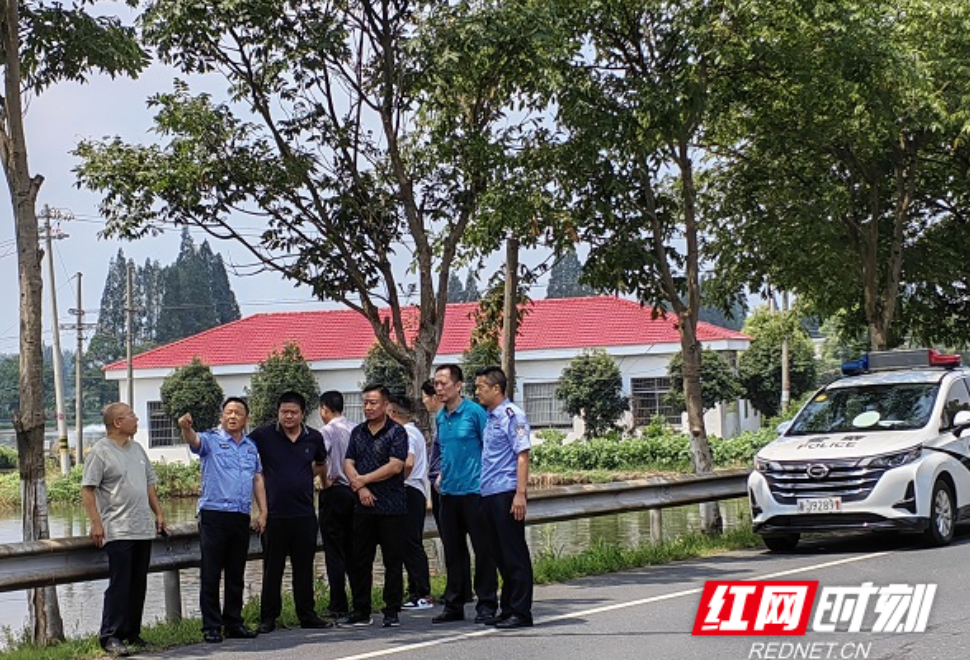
374, 466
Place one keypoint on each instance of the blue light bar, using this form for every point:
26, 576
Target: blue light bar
856, 367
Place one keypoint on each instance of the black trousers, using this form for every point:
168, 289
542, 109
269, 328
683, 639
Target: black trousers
337, 532
295, 538
124, 599
466, 558
507, 538
461, 517
224, 538
415, 558
388, 532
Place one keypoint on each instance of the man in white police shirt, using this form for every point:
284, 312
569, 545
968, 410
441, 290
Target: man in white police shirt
505, 476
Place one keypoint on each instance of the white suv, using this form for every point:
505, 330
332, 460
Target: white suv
881, 449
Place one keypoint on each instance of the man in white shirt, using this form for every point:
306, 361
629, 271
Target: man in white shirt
416, 485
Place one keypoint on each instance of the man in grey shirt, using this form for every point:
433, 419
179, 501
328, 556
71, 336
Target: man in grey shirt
336, 501
118, 493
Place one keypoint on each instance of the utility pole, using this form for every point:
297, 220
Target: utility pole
63, 450
509, 315
129, 341
79, 326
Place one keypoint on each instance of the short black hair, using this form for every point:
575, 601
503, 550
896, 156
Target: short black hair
334, 400
403, 404
235, 399
428, 387
291, 396
454, 372
377, 387
494, 376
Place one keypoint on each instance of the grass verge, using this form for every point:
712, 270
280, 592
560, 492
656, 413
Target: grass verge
549, 566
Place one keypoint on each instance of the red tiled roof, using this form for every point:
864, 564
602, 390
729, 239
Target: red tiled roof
597, 321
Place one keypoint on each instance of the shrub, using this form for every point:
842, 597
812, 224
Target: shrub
592, 387
8, 458
193, 389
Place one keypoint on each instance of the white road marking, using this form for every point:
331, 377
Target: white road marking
488, 630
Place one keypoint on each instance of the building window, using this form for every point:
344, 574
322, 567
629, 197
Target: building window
163, 431
542, 407
354, 406
647, 399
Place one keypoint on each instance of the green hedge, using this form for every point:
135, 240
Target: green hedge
666, 451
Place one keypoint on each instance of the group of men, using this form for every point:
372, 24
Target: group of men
376, 480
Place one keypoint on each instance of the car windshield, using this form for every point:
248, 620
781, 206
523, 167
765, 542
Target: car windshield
867, 408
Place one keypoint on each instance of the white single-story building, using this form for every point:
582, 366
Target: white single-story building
335, 342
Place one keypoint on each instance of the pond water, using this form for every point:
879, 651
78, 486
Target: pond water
80, 603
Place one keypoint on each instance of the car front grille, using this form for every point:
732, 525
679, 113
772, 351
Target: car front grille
805, 479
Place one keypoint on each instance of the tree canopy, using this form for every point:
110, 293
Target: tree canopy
843, 162
193, 389
564, 278
351, 133
719, 382
591, 387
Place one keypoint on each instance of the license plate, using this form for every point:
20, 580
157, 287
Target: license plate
820, 505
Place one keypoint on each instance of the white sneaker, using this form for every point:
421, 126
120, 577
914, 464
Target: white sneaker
425, 603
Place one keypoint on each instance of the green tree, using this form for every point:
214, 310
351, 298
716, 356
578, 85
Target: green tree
634, 97
223, 297
188, 306
849, 187
193, 389
564, 278
282, 371
41, 44
456, 292
380, 367
719, 382
355, 130
591, 387
471, 292
759, 367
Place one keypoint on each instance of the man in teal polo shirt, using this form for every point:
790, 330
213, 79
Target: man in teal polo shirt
461, 429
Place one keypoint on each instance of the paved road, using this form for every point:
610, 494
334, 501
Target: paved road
650, 612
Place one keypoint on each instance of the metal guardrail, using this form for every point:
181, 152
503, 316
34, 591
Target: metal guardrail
76, 559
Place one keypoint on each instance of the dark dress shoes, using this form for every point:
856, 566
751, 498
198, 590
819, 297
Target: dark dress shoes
266, 627
483, 617
316, 623
240, 632
491, 621
448, 616
212, 636
514, 621
113, 646
137, 641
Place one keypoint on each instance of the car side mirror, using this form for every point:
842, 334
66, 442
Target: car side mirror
782, 428
961, 422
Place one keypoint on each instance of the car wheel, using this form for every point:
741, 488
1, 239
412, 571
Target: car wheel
782, 542
942, 515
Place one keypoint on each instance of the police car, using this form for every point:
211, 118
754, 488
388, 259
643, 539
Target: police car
884, 448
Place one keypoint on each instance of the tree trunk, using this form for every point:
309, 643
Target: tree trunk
700, 448
46, 626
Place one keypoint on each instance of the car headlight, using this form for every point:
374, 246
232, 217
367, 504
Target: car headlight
761, 465
896, 459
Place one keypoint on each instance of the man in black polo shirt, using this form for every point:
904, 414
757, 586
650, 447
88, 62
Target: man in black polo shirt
375, 468
291, 453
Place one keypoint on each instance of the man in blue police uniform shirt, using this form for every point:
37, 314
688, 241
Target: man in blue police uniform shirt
505, 477
231, 478
461, 427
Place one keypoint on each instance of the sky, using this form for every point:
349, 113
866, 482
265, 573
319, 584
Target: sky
56, 121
